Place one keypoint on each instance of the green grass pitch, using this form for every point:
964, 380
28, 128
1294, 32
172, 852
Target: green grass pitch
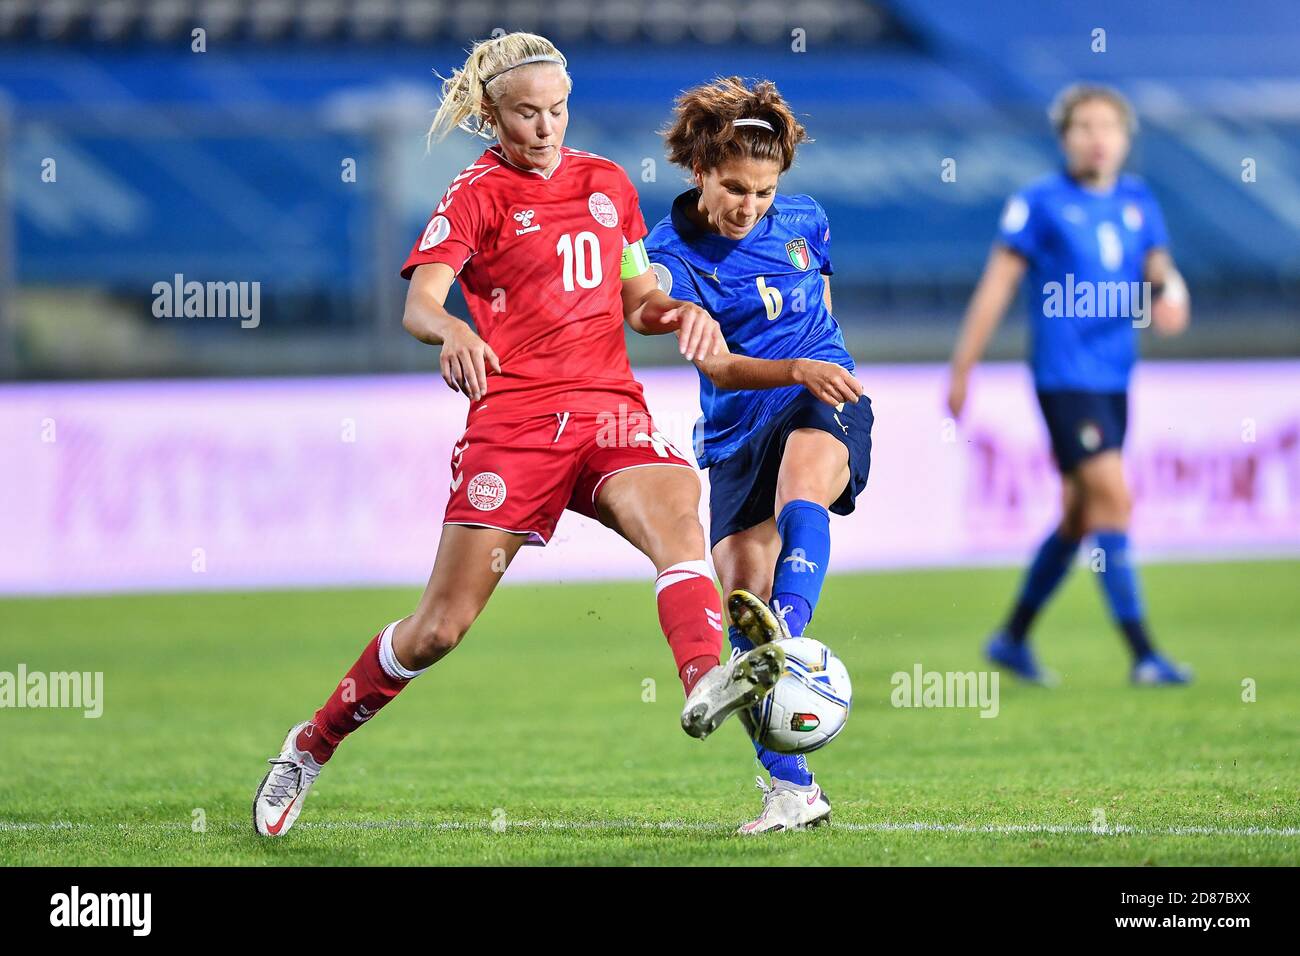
532, 743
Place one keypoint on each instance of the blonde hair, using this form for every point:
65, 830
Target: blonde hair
465, 94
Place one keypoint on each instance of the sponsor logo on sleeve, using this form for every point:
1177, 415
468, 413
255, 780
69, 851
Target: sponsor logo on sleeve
1015, 214
435, 232
663, 277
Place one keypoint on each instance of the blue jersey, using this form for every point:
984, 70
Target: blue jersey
766, 291
1086, 252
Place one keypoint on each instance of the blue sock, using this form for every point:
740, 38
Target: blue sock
792, 768
805, 529
1049, 567
1120, 584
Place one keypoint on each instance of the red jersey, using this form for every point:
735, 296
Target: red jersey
538, 259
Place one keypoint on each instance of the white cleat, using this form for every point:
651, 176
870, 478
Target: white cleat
281, 793
741, 682
758, 622
787, 807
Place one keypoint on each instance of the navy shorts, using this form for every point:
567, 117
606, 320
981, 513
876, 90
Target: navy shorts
1083, 424
742, 488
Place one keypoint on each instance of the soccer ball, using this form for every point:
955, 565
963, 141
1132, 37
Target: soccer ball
809, 704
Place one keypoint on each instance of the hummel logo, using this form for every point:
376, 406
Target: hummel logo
455, 482
690, 671
714, 618
524, 218
363, 714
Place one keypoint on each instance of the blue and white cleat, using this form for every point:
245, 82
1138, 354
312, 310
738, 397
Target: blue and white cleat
1154, 670
1018, 659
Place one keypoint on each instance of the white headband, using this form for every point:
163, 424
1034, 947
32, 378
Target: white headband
539, 58
754, 122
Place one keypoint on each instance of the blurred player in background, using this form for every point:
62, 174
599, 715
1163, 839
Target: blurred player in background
786, 430
1087, 237
547, 242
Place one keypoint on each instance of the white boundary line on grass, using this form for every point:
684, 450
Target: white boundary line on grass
562, 826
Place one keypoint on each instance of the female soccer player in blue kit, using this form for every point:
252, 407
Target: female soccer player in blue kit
786, 430
1096, 235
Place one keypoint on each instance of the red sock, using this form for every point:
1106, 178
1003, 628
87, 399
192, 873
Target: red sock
690, 614
364, 690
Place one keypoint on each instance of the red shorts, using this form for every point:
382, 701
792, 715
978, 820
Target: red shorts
521, 474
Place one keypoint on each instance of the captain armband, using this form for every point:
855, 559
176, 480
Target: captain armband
635, 260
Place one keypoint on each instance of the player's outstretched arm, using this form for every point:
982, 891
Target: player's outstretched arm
1171, 308
831, 383
988, 304
465, 358
651, 312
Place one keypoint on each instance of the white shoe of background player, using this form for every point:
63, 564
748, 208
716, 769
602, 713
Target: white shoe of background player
788, 807
281, 793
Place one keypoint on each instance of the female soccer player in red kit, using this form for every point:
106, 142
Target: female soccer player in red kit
546, 242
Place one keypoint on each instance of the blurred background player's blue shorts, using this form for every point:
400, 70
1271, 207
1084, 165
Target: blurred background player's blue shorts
1083, 424
742, 489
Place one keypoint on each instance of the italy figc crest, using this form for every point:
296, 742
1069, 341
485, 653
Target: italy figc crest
797, 250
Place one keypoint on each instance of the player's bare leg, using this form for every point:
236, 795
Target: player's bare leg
814, 467
1103, 490
1072, 525
656, 508
745, 560
470, 562
1010, 647
1107, 506
814, 470
469, 565
813, 473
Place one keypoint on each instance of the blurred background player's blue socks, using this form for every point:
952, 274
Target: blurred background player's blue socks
1048, 570
805, 529
792, 768
1119, 581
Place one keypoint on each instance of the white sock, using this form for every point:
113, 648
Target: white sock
388, 658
